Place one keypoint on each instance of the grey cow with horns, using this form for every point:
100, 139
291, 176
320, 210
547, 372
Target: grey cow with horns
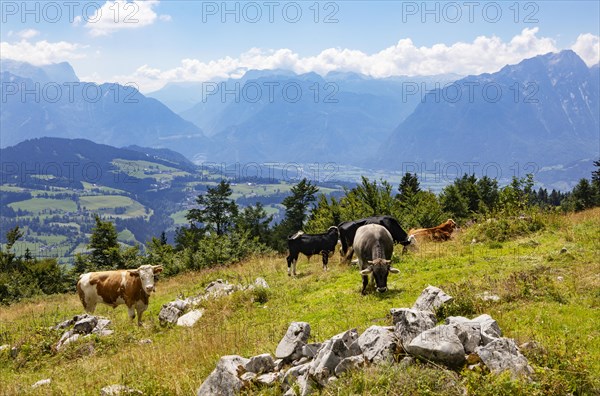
373, 245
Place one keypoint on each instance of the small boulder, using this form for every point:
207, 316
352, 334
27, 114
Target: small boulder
472, 329
43, 382
502, 354
349, 363
224, 379
116, 390
261, 282
85, 325
170, 312
260, 364
411, 322
4, 347
219, 288
489, 328
310, 350
379, 344
442, 344
290, 346
431, 299
292, 374
189, 319
67, 338
331, 353
248, 377
269, 378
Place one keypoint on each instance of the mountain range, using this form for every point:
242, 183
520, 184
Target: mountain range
544, 110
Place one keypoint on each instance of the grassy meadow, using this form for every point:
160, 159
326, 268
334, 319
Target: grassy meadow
546, 296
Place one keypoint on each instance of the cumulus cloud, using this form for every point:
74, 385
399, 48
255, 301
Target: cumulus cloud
483, 54
28, 34
41, 52
587, 46
122, 15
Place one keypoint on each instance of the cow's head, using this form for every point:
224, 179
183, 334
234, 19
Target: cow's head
452, 223
146, 274
380, 268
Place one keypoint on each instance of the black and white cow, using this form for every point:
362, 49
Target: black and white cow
374, 246
311, 244
348, 229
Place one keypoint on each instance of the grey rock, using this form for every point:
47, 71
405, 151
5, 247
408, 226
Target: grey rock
261, 282
487, 296
310, 350
43, 382
189, 319
290, 346
223, 380
248, 377
431, 299
292, 374
300, 361
331, 353
101, 325
145, 341
4, 347
269, 378
85, 325
67, 338
65, 324
502, 354
103, 332
349, 363
471, 327
442, 344
411, 322
489, 328
279, 363
406, 362
379, 344
260, 364
170, 312
115, 390
307, 385
219, 288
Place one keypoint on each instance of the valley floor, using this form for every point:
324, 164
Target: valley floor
546, 296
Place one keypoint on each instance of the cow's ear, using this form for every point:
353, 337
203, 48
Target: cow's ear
366, 271
370, 262
394, 270
388, 261
157, 269
135, 272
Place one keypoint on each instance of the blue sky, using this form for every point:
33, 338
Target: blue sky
154, 42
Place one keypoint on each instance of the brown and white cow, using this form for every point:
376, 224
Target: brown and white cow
129, 287
443, 232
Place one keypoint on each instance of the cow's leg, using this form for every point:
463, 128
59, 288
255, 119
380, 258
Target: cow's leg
294, 266
289, 263
131, 312
140, 308
349, 254
365, 279
325, 255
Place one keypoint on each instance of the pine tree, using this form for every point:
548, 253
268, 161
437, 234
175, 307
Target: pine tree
217, 211
409, 186
296, 204
105, 253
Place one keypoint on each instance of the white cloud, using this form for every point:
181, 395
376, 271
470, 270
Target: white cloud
587, 47
41, 52
28, 34
118, 15
484, 54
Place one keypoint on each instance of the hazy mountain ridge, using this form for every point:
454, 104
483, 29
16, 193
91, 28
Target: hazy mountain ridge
551, 118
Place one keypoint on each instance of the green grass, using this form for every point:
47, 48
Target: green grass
38, 205
560, 314
106, 204
147, 169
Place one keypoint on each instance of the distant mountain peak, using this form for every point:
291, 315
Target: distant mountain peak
54, 72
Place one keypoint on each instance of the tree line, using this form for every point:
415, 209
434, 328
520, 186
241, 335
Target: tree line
220, 232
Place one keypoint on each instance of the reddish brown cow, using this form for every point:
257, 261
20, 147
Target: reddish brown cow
443, 232
129, 287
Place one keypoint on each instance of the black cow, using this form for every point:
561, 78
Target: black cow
310, 244
348, 229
